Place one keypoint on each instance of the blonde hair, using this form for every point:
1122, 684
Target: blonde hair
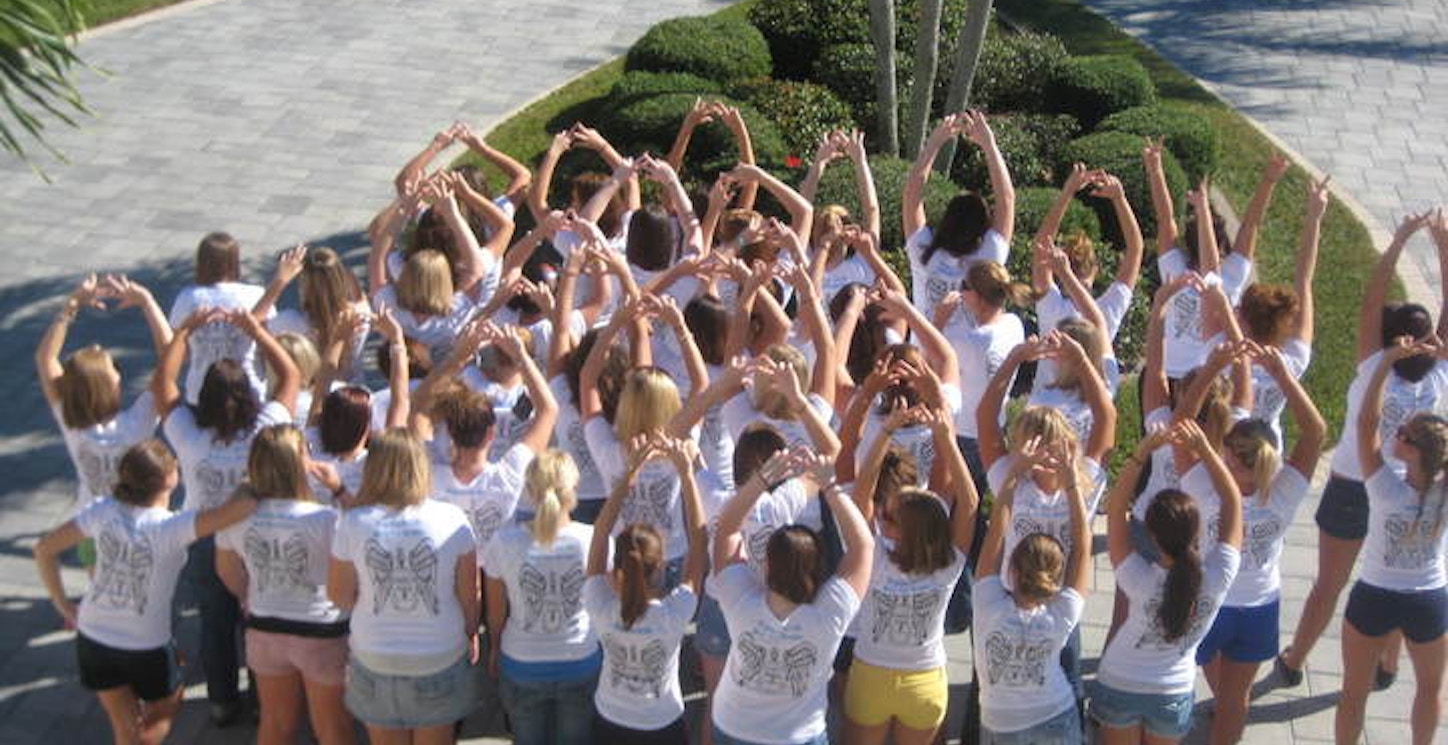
303, 353
276, 466
1081, 252
734, 223
829, 220
551, 487
992, 283
1053, 429
426, 284
1215, 414
1092, 340
88, 396
775, 404
397, 473
1254, 445
327, 288
648, 400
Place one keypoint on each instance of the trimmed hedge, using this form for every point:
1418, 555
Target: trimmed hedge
1015, 70
1031, 144
1092, 88
849, 71
650, 124
720, 49
804, 112
800, 30
837, 186
640, 84
1120, 154
1193, 141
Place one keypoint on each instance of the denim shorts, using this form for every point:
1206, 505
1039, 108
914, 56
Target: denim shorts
1422, 615
411, 701
1062, 729
711, 635
1161, 714
1343, 511
1242, 634
724, 738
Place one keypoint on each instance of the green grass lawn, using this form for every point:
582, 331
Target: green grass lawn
98, 12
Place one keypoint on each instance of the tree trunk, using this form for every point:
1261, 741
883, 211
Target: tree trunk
972, 37
882, 33
922, 86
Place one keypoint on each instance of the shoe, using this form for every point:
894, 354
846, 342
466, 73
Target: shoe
1290, 678
1384, 679
225, 713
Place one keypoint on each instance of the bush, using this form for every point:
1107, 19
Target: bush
720, 49
838, 187
1015, 70
1188, 137
652, 123
1031, 143
800, 30
1092, 88
849, 71
804, 112
1120, 154
641, 84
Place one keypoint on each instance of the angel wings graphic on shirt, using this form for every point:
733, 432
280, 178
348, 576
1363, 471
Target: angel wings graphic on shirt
404, 579
1155, 637
122, 572
550, 598
649, 502
634, 669
1013, 660
775, 670
903, 619
278, 564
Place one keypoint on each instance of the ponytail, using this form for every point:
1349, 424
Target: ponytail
1173, 520
550, 484
639, 555
1253, 443
547, 517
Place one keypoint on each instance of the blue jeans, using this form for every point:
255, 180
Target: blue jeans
220, 625
553, 713
1062, 729
722, 738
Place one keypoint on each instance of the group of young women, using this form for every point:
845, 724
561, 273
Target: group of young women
646, 420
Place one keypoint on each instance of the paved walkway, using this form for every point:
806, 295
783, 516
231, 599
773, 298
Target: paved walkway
283, 121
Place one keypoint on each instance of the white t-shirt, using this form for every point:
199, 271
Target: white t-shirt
901, 624
217, 341
1054, 307
568, 437
1017, 654
980, 350
1035, 511
931, 281
788, 504
639, 685
212, 470
546, 621
1259, 578
739, 412
716, 444
654, 498
1268, 400
96, 451
406, 561
285, 545
852, 270
1070, 402
291, 321
139, 555
438, 333
1401, 400
1163, 464
1139, 658
490, 498
1197, 483
774, 687
1407, 536
1183, 345
508, 427
349, 471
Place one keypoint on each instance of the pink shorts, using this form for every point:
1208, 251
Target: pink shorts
322, 661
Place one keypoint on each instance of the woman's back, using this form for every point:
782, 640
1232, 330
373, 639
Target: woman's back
212, 469
639, 686
140, 552
1018, 651
901, 623
546, 621
285, 545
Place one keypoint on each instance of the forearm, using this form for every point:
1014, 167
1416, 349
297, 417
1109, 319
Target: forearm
1129, 269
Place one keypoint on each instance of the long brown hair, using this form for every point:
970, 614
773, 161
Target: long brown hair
925, 544
795, 568
638, 555
87, 394
1173, 521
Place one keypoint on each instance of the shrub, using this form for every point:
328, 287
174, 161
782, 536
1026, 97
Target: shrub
804, 112
1015, 70
1031, 144
1120, 153
652, 123
1191, 139
641, 84
720, 49
838, 187
800, 30
1092, 88
849, 71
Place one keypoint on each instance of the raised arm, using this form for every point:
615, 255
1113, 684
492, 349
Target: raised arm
728, 543
539, 431
543, 182
1209, 259
519, 178
1229, 516
817, 325
500, 225
683, 454
1003, 190
852, 425
992, 551
289, 265
1128, 270
957, 488
164, 385
590, 403
1123, 493
939, 353
469, 264
1369, 444
801, 213
1155, 392
1078, 563
912, 200
1080, 295
1246, 243
1306, 269
588, 137
990, 436
829, 149
1438, 226
415, 170
608, 516
623, 174
864, 183
1311, 427
859, 555
48, 368
1167, 233
1041, 269
678, 202
1375, 294
1097, 395
382, 232
289, 379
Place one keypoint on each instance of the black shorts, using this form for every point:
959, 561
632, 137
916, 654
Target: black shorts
1343, 511
153, 674
1422, 614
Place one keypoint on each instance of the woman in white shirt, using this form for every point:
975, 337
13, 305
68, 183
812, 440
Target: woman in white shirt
539, 637
1402, 584
330, 294
276, 564
405, 566
786, 628
1246, 630
217, 286
971, 230
123, 646
1144, 685
640, 624
1018, 635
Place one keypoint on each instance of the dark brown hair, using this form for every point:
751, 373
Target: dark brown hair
925, 544
143, 472
638, 554
218, 259
345, 419
756, 444
1172, 520
795, 565
469, 416
227, 403
708, 320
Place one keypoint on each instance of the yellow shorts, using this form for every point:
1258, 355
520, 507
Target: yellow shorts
875, 695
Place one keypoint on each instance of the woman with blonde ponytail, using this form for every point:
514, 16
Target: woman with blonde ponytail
1246, 630
1402, 583
539, 637
640, 623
